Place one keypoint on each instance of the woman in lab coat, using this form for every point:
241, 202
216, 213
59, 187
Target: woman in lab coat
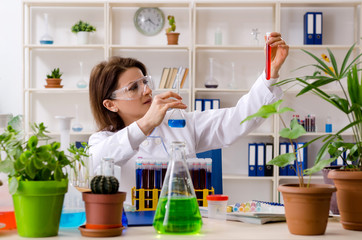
132, 124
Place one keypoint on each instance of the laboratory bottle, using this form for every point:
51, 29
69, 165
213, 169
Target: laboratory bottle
210, 81
177, 210
218, 36
328, 125
46, 38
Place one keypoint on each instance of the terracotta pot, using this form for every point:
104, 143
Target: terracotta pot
103, 210
349, 197
307, 209
53, 81
333, 206
172, 38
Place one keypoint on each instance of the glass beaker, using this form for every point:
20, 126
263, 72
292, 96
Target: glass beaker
46, 38
210, 81
77, 126
81, 83
177, 209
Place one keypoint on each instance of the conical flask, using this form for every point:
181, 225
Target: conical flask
177, 210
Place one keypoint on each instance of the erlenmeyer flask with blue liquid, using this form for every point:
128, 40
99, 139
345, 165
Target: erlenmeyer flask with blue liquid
177, 119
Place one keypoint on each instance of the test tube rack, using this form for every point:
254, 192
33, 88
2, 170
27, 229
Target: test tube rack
154, 200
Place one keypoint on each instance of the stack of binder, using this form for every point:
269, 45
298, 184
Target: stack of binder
259, 155
313, 27
206, 104
302, 160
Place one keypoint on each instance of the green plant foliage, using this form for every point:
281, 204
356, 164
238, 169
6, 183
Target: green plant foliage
172, 23
349, 102
83, 27
31, 160
55, 74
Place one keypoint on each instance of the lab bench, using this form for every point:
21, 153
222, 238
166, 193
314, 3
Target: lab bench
214, 229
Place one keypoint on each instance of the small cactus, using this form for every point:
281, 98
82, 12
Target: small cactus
171, 21
104, 184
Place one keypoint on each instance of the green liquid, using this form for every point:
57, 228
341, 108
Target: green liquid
183, 216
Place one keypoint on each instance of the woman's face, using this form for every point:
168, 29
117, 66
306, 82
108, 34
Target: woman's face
131, 110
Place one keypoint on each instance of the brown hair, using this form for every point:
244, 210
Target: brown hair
103, 82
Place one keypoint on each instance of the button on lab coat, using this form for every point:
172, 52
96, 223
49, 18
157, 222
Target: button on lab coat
204, 131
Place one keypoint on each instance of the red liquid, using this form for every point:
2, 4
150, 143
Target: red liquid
145, 184
8, 218
268, 60
151, 184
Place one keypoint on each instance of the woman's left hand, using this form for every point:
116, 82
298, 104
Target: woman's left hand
279, 52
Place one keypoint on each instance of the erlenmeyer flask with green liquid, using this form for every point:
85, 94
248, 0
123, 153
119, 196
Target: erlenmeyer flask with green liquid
177, 210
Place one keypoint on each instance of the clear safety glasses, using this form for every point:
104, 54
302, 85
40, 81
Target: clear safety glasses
134, 89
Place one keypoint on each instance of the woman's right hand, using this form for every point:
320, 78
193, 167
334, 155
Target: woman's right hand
157, 111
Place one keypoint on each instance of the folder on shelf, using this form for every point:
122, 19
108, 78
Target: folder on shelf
283, 148
261, 160
184, 76
291, 170
302, 157
252, 156
199, 105
339, 161
215, 103
318, 27
178, 77
207, 104
269, 155
309, 28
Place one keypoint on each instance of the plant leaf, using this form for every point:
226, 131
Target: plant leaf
266, 111
295, 131
13, 185
319, 166
282, 160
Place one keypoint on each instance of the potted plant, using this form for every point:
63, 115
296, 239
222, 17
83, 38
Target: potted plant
172, 36
306, 205
348, 179
54, 79
103, 208
36, 179
82, 29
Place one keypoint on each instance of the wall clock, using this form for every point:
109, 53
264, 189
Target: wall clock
149, 20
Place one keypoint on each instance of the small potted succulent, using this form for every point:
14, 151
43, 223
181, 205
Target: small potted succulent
172, 36
82, 29
54, 79
103, 208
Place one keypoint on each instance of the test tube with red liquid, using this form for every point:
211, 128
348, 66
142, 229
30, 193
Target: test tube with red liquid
268, 58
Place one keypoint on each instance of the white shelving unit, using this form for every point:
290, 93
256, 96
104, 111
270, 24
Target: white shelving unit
197, 22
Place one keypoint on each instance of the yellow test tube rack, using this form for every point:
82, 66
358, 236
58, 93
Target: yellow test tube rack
141, 199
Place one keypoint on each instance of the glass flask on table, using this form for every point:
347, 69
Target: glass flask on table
177, 209
211, 81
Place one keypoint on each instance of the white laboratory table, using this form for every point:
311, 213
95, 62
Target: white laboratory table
214, 229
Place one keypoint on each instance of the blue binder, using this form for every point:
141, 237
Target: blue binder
252, 156
199, 105
260, 163
309, 28
318, 27
283, 148
302, 155
292, 170
269, 155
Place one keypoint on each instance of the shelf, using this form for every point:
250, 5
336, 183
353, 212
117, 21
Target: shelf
261, 134
59, 3
317, 134
71, 47
312, 3
170, 89
72, 133
316, 47
222, 90
56, 90
159, 4
316, 177
151, 47
245, 177
228, 47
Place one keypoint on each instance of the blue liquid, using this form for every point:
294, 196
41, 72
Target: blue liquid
158, 178
77, 129
46, 41
72, 220
138, 184
124, 219
177, 123
81, 85
328, 127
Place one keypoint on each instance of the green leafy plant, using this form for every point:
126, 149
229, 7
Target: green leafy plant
31, 160
83, 27
172, 23
55, 74
349, 102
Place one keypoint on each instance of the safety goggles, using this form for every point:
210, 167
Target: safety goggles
134, 89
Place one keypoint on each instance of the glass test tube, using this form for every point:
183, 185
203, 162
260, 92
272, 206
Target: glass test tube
163, 171
138, 179
268, 58
151, 181
208, 172
107, 166
145, 179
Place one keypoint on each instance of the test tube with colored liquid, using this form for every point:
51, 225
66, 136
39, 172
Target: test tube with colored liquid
151, 181
145, 179
138, 179
268, 58
208, 172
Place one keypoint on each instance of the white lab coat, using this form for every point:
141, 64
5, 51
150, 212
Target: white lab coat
204, 131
